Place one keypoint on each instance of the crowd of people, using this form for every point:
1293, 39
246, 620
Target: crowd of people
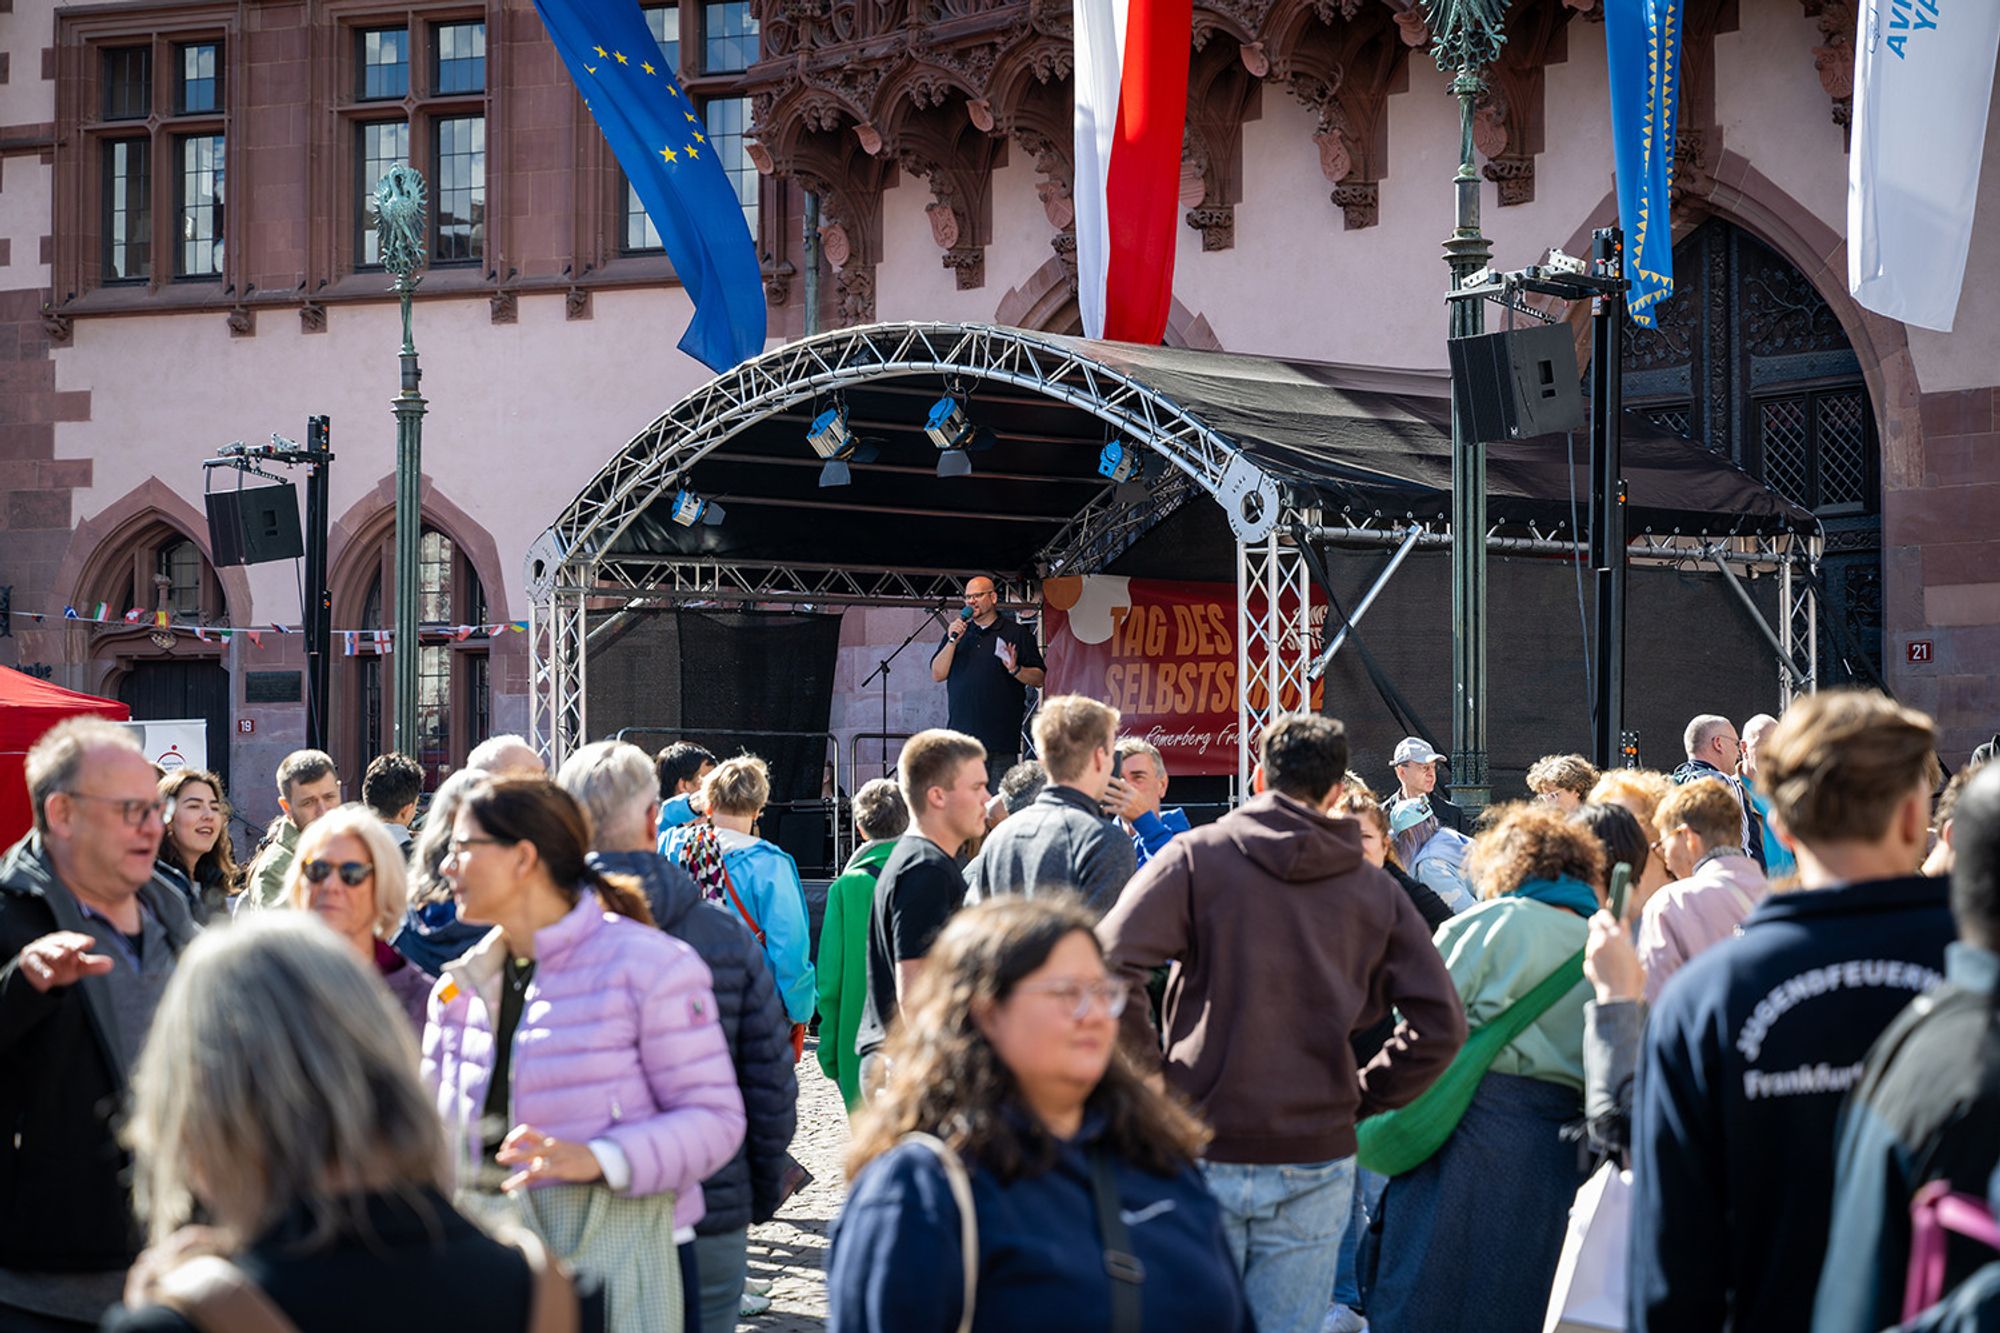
1340, 1059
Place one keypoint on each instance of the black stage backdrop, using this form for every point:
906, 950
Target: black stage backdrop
712, 677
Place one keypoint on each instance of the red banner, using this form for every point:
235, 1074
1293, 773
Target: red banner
1163, 654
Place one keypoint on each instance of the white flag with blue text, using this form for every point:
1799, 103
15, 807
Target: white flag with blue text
1923, 78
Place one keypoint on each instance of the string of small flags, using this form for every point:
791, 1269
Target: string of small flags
354, 642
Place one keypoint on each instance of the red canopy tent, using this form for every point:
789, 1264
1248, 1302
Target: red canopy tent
28, 708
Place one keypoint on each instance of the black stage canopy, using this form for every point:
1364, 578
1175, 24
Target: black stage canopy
1364, 446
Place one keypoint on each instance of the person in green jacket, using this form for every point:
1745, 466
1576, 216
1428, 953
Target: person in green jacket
880, 818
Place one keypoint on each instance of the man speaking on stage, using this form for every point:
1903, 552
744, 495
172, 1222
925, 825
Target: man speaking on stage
988, 662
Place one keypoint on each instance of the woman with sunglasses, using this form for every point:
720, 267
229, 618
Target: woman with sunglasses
196, 855
1005, 1056
350, 874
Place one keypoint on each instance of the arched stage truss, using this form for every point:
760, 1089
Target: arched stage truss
1296, 455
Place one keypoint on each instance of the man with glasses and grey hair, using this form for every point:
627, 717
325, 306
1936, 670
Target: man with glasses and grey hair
1715, 751
90, 937
619, 785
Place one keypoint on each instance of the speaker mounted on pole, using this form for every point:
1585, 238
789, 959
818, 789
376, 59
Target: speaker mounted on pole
1518, 384
255, 525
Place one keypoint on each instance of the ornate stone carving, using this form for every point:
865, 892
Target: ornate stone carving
576, 303
1065, 247
57, 327
1507, 128
968, 266
503, 307
312, 317
1359, 203
855, 292
242, 321
1834, 56
1216, 225
777, 280
1516, 178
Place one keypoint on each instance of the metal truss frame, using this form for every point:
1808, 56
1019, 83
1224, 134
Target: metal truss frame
1274, 640
570, 570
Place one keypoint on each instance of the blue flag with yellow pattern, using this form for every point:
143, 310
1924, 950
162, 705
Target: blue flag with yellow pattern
658, 137
1643, 43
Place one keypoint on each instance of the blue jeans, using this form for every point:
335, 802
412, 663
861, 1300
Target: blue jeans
1283, 1225
1368, 1187
725, 1262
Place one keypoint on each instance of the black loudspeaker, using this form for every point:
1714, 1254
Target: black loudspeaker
1518, 384
255, 526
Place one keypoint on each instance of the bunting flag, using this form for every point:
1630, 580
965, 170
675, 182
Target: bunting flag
69, 613
349, 639
103, 611
161, 619
134, 616
656, 134
1923, 75
1131, 119
1643, 46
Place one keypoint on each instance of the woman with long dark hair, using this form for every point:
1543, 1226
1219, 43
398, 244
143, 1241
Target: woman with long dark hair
1014, 1172
582, 1074
196, 855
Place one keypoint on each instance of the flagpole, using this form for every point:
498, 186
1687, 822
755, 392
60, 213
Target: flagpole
400, 227
1465, 38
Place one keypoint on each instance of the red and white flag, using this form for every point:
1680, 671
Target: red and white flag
1131, 113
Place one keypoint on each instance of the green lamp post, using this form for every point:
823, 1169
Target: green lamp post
400, 230
1465, 38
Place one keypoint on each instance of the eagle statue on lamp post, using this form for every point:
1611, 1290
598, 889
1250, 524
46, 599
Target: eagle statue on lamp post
403, 236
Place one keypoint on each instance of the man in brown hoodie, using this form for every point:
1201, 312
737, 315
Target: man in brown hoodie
1287, 940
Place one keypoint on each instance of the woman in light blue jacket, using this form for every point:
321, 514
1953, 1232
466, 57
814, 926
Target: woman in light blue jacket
755, 878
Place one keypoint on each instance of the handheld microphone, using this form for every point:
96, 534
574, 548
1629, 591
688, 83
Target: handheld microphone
965, 613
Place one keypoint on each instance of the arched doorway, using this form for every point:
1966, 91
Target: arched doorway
1750, 360
162, 675
454, 681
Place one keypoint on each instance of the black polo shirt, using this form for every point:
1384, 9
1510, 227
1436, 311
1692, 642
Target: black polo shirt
985, 702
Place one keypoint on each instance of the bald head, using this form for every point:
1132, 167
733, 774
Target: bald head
506, 757
1755, 732
982, 599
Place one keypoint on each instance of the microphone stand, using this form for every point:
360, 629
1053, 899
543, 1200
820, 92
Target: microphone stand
882, 670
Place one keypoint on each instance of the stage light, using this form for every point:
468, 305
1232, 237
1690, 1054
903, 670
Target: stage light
832, 440
1118, 462
690, 509
951, 431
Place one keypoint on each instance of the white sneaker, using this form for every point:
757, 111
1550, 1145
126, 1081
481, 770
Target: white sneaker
752, 1304
758, 1285
1340, 1319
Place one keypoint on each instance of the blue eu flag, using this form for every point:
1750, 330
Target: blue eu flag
658, 137
1643, 42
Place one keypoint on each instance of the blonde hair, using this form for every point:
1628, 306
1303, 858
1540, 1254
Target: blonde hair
1639, 790
739, 786
1839, 762
277, 1072
1068, 730
930, 759
391, 879
1708, 807
1562, 772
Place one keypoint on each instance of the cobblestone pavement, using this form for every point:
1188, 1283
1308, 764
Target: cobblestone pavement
789, 1252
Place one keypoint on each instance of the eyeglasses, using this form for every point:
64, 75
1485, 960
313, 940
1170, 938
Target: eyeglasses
134, 812
1079, 997
351, 872
459, 845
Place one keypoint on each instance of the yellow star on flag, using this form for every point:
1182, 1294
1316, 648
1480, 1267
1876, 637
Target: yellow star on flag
620, 57
690, 116
692, 151
698, 137
601, 52
590, 69
647, 66
669, 154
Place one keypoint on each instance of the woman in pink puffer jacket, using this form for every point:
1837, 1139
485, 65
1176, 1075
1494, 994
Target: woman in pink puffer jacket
576, 1044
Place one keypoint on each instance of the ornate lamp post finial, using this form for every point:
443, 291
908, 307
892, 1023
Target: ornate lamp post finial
1466, 34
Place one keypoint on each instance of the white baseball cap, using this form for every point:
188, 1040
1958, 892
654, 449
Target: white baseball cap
1415, 750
